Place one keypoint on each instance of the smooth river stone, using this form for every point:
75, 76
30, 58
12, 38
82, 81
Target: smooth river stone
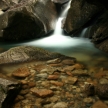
21, 72
42, 92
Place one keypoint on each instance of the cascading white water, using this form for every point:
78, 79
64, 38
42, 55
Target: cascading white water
57, 39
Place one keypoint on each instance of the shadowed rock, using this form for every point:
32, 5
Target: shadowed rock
28, 53
103, 45
100, 28
23, 20
8, 91
80, 14
99, 32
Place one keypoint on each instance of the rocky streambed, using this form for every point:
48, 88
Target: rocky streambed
56, 83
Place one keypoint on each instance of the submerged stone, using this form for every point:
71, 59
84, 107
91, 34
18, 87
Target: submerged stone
21, 72
42, 92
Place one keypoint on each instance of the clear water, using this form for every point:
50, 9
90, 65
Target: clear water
78, 47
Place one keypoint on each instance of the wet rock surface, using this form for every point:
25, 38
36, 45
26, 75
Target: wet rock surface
8, 91
24, 20
29, 53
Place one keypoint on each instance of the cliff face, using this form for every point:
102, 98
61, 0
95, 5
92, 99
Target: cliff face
85, 13
23, 20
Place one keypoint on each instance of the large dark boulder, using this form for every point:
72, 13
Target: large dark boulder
24, 20
8, 91
81, 14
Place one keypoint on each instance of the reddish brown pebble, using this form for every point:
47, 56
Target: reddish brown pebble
68, 68
42, 92
53, 77
56, 65
21, 72
69, 73
31, 84
57, 83
70, 80
23, 82
78, 66
68, 62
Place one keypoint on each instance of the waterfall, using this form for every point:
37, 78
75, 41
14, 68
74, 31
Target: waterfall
58, 30
57, 39
83, 33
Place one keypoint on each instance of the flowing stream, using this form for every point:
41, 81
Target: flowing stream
78, 47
